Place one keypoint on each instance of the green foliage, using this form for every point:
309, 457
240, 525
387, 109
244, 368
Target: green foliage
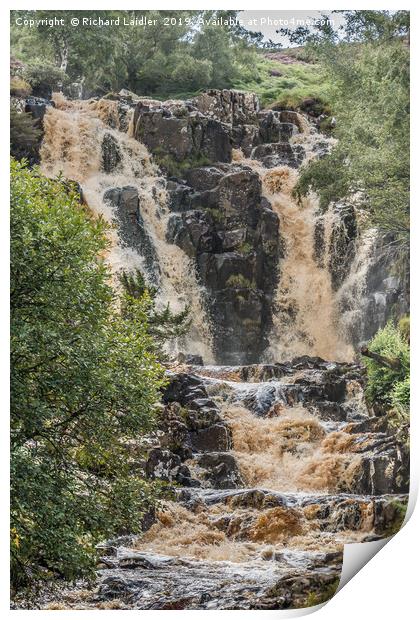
24, 134
369, 76
400, 396
295, 84
160, 60
163, 325
389, 386
404, 326
44, 77
175, 168
85, 379
246, 248
239, 281
190, 74
400, 511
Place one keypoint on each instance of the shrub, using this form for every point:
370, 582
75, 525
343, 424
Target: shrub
400, 396
389, 386
44, 77
84, 380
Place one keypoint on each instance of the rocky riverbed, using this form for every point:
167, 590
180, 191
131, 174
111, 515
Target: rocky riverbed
274, 468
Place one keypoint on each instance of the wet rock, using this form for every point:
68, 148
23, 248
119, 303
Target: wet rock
191, 359
220, 469
37, 107
279, 154
187, 137
162, 464
246, 138
215, 438
204, 178
382, 473
132, 230
111, 156
271, 129
342, 243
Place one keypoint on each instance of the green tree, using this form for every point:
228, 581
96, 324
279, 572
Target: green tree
84, 381
163, 325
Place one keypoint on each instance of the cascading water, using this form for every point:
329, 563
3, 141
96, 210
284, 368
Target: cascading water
305, 319
73, 145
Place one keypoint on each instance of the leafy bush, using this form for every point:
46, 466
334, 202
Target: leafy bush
84, 380
389, 386
400, 396
404, 327
190, 73
44, 77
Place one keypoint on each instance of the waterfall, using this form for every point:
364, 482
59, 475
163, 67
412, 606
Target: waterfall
83, 141
77, 134
305, 318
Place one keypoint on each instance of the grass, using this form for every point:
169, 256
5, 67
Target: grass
174, 168
295, 83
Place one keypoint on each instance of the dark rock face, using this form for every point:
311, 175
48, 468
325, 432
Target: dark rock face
221, 470
342, 240
37, 107
223, 222
191, 426
229, 106
279, 154
272, 129
387, 292
132, 230
184, 137
111, 156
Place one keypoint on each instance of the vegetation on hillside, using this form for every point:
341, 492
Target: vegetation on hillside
179, 57
368, 72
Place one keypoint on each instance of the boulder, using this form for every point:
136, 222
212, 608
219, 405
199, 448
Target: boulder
215, 438
192, 136
220, 469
